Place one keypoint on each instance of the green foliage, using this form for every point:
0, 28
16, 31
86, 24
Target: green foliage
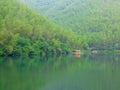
25, 32
7, 42
95, 21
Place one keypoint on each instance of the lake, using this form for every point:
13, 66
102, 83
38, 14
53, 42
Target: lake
86, 72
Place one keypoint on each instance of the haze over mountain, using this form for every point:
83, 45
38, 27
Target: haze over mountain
97, 22
81, 15
23, 31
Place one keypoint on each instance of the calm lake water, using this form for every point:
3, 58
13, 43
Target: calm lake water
87, 72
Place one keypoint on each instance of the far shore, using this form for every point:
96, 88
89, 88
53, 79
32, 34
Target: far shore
99, 51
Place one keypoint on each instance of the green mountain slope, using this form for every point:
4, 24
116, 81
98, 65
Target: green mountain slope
96, 21
97, 15
25, 32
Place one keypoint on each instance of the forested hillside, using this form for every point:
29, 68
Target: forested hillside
77, 14
25, 32
96, 21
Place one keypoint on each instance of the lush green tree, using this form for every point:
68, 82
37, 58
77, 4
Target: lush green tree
25, 32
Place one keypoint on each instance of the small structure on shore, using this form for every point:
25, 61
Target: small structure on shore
94, 52
76, 52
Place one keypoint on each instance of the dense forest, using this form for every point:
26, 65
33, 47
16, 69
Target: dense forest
25, 32
77, 24
97, 22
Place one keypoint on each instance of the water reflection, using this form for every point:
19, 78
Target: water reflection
77, 55
87, 72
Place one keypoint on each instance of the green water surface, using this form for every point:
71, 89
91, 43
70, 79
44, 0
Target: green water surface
87, 72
